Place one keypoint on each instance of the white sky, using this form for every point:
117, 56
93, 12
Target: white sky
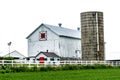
18, 18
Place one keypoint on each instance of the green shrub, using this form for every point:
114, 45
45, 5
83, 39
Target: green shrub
8, 58
1, 58
8, 69
5, 69
69, 67
20, 69
2, 71
102, 66
50, 68
43, 69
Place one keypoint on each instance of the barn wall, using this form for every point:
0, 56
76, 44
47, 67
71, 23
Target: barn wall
69, 47
35, 45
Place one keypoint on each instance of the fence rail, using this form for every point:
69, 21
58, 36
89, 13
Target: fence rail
18, 63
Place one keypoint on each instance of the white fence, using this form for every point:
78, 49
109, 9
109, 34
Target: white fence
18, 63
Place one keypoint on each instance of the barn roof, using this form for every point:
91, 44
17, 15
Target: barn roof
14, 54
60, 31
48, 54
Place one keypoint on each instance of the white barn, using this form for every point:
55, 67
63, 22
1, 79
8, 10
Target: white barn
62, 41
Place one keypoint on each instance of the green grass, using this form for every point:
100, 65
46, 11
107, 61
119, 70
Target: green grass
88, 74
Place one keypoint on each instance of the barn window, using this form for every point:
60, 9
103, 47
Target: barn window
58, 59
45, 59
43, 35
16, 57
28, 58
52, 59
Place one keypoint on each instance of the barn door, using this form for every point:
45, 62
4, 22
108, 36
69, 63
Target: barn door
41, 60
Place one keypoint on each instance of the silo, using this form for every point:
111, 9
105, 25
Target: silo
92, 35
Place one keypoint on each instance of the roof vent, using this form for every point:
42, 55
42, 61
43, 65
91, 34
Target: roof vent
60, 24
78, 28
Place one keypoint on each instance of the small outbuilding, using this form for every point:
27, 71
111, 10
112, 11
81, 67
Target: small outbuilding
47, 58
16, 55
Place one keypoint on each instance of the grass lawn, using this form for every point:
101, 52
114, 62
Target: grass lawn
89, 74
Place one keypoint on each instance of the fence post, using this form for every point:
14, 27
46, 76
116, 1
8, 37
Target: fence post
25, 61
104, 62
3, 62
81, 62
116, 63
91, 62
37, 65
29, 65
20, 63
12, 63
86, 63
112, 63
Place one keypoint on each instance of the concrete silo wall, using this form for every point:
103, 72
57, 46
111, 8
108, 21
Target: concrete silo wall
92, 36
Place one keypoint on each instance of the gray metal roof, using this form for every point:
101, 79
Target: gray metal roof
48, 54
60, 31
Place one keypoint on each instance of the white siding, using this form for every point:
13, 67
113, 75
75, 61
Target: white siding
62, 46
68, 46
15, 54
48, 61
35, 45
